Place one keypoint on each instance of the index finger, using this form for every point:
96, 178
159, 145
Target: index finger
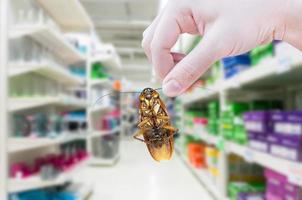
166, 35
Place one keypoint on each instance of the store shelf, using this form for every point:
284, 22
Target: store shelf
99, 108
82, 191
104, 161
100, 83
104, 133
35, 182
293, 170
111, 61
24, 103
23, 144
271, 72
203, 177
51, 39
69, 14
59, 74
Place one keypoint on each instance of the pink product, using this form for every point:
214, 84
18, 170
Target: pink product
288, 123
59, 161
258, 121
200, 124
201, 121
272, 196
20, 170
275, 184
292, 192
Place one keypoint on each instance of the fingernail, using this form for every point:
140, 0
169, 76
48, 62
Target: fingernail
171, 88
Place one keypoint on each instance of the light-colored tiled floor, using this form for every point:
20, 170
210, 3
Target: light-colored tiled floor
138, 177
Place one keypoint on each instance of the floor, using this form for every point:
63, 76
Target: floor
137, 177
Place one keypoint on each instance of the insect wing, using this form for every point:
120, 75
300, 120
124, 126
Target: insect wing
164, 152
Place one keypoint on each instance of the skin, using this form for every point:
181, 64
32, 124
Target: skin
228, 27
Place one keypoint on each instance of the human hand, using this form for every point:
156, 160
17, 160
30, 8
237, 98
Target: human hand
229, 27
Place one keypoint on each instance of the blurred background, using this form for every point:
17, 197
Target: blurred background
67, 127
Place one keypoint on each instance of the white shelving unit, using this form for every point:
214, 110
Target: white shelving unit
109, 59
35, 182
50, 39
48, 70
203, 177
70, 15
68, 103
104, 161
23, 144
273, 75
104, 133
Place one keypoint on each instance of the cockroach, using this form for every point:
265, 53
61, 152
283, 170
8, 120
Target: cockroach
154, 127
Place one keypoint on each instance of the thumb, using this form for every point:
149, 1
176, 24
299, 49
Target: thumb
190, 68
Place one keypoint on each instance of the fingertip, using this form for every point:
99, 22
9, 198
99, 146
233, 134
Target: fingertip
172, 88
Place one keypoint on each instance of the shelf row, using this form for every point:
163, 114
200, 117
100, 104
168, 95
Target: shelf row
94, 161
202, 176
35, 182
271, 72
22, 144
104, 132
293, 170
47, 70
24, 103
69, 14
50, 39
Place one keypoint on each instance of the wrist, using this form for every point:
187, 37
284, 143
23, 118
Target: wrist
293, 23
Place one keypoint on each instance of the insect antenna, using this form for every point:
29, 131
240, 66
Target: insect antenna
194, 86
111, 93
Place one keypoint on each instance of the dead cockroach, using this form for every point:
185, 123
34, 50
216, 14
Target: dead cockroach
154, 126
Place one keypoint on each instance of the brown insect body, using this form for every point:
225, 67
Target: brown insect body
155, 125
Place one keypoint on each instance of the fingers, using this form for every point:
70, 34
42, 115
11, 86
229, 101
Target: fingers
190, 68
148, 36
165, 37
177, 57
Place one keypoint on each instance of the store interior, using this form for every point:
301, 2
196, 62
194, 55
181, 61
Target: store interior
71, 74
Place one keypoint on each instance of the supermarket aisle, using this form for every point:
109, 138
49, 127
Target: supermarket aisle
137, 177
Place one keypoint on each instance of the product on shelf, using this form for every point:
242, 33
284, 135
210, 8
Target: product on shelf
212, 157
239, 190
278, 187
262, 52
48, 125
213, 119
240, 170
235, 64
196, 154
65, 192
98, 71
232, 122
50, 165
106, 147
78, 71
276, 132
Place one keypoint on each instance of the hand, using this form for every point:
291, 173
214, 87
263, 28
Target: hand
229, 27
